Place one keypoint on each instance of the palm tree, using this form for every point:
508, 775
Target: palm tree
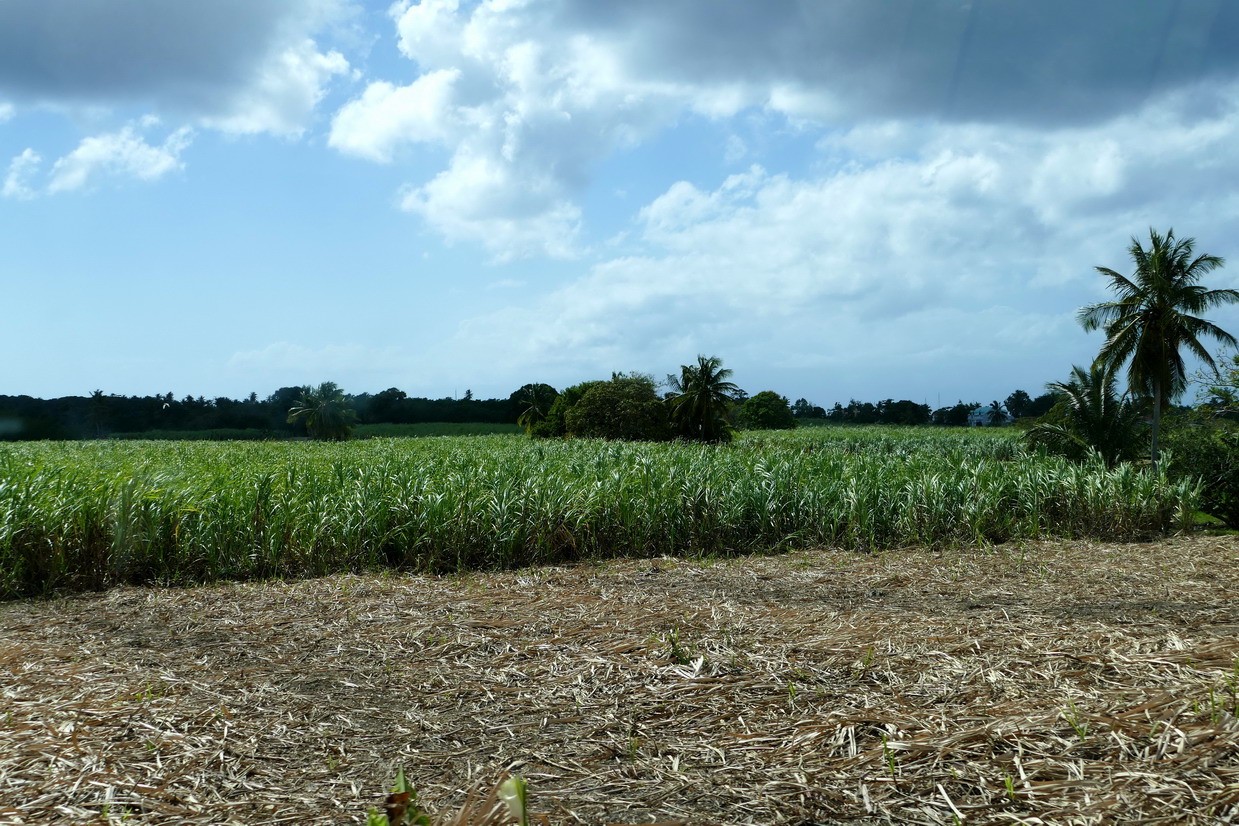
325, 411
1090, 416
1156, 316
701, 397
96, 412
536, 399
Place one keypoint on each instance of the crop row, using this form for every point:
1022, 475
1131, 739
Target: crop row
88, 515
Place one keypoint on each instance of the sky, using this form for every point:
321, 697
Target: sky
841, 199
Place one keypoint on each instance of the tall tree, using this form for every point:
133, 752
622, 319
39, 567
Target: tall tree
325, 411
701, 397
1156, 316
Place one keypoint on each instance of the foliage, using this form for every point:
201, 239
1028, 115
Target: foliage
1018, 402
401, 807
956, 415
81, 515
1156, 317
626, 408
765, 411
1220, 385
1206, 448
1089, 418
701, 397
535, 401
804, 409
23, 418
325, 412
1040, 405
556, 422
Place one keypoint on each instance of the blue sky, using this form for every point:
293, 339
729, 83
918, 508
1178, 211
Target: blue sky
854, 199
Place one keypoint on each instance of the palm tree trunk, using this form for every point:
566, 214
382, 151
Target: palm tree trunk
1157, 420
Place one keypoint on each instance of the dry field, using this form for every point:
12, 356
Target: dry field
1032, 683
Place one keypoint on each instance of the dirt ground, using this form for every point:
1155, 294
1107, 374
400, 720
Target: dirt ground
1033, 683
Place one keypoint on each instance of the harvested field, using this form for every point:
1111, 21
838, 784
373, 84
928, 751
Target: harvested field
1035, 683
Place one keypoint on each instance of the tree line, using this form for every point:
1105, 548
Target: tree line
100, 415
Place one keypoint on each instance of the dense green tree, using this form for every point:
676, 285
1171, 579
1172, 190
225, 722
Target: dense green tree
765, 411
903, 411
1156, 316
701, 397
1205, 448
556, 422
1040, 405
1018, 403
534, 402
1090, 416
954, 416
325, 411
627, 407
804, 409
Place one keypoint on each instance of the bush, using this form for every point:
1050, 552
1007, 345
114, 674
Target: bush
1208, 449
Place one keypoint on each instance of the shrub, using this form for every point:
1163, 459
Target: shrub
1208, 449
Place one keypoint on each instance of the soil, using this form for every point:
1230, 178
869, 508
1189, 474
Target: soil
1063, 682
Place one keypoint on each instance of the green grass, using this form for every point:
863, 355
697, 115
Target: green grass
90, 514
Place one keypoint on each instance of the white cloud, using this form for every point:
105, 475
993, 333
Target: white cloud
525, 117
21, 170
513, 212
282, 94
533, 96
124, 154
6, 111
386, 116
969, 254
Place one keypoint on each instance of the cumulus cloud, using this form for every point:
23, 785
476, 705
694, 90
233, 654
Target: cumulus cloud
283, 93
240, 65
386, 116
525, 116
21, 170
6, 111
970, 252
530, 97
123, 154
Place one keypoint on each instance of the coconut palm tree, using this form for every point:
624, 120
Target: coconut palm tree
536, 399
325, 411
1156, 316
701, 397
1090, 416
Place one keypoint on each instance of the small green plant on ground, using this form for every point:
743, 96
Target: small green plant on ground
401, 807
